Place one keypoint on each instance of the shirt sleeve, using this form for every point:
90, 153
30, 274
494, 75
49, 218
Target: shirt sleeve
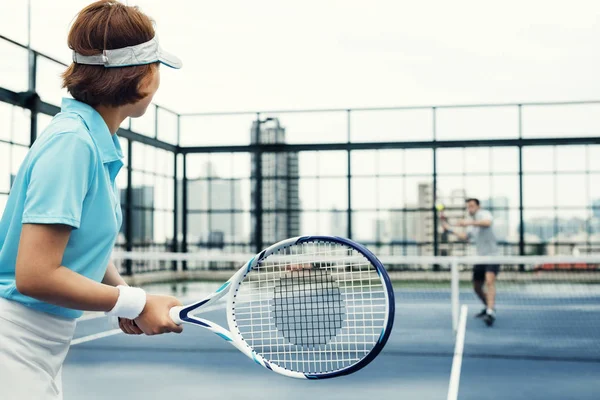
59, 179
486, 216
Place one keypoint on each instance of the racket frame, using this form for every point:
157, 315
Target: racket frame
183, 314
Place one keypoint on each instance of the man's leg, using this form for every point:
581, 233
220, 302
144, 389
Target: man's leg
490, 282
478, 287
478, 281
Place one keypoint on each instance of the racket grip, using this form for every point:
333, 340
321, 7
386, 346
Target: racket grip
174, 314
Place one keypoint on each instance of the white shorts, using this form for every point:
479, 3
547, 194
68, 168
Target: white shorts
33, 347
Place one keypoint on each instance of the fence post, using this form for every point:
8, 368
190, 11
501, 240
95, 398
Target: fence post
455, 292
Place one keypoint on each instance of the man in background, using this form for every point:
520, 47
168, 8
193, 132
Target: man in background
481, 233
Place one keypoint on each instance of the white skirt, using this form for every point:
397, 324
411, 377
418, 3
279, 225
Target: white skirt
33, 347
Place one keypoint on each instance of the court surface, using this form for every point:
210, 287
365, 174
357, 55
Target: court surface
416, 363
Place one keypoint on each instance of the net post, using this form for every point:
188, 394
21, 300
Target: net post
455, 290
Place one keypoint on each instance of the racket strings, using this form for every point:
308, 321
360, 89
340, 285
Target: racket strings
308, 308
313, 308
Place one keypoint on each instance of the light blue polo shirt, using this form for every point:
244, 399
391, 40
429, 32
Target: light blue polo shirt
68, 177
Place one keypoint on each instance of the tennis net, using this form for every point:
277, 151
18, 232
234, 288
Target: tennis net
547, 307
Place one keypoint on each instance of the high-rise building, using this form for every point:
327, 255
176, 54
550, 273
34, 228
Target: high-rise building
280, 184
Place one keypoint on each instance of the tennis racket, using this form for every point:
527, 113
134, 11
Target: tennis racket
310, 307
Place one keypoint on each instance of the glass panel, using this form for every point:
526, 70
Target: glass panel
321, 127
450, 161
538, 191
216, 130
419, 161
241, 194
572, 228
505, 191
14, 68
504, 159
309, 193
197, 194
138, 155
49, 81
477, 123
477, 160
150, 159
197, 227
145, 124
3, 200
539, 225
419, 192
578, 120
241, 165
364, 162
571, 158
391, 162
167, 126
43, 121
333, 194
332, 163
538, 159
5, 168
18, 155
220, 229
594, 158
478, 187
334, 223
594, 192
13, 22
571, 190
390, 193
364, 193
363, 224
21, 125
391, 125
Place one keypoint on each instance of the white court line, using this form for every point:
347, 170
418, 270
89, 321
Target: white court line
94, 336
458, 354
91, 315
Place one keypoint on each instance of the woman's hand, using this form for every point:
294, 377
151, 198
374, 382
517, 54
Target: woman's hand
129, 327
155, 318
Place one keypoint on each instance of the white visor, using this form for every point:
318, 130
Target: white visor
141, 54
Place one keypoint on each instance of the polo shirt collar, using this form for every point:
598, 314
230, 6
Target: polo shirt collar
108, 144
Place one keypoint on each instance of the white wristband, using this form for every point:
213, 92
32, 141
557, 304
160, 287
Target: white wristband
130, 304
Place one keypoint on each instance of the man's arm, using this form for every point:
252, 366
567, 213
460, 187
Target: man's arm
460, 235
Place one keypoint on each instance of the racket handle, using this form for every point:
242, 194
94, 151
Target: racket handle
174, 314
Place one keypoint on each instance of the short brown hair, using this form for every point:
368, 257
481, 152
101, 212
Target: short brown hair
472, 199
107, 25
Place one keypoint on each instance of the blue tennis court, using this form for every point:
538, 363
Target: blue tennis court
498, 363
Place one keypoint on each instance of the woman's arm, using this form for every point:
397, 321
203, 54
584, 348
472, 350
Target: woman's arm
39, 274
112, 277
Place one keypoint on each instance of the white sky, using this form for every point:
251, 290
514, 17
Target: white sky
273, 54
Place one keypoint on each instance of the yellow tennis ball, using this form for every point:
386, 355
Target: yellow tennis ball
439, 207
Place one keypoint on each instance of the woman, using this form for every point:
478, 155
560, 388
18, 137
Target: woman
63, 213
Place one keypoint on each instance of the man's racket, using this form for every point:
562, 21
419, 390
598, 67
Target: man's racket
310, 307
